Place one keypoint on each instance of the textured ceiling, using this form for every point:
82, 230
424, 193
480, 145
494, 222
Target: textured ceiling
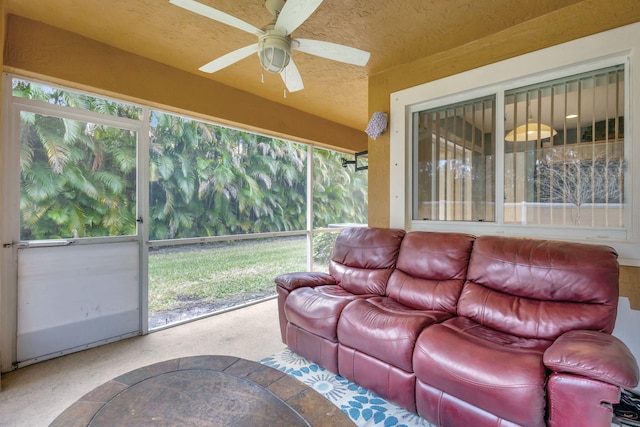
395, 32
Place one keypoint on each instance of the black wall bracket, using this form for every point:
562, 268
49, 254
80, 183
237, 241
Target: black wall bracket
358, 167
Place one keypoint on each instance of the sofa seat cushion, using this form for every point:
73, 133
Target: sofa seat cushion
385, 329
317, 309
497, 372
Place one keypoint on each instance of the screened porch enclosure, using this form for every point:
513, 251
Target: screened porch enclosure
203, 217
230, 210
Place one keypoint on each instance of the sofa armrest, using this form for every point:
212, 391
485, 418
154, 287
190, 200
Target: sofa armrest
595, 355
293, 281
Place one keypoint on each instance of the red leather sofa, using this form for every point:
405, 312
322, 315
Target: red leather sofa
466, 330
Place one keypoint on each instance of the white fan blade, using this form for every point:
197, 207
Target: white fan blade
229, 58
295, 12
291, 77
334, 51
217, 15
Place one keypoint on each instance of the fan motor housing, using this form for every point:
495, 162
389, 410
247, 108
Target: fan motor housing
274, 6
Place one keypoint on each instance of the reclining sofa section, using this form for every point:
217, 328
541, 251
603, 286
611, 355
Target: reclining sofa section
465, 330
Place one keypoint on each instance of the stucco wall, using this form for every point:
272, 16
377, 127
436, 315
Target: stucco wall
582, 19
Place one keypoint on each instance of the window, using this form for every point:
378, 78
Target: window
562, 155
564, 163
454, 162
571, 180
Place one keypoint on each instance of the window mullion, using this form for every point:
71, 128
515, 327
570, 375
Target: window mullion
310, 154
499, 153
143, 212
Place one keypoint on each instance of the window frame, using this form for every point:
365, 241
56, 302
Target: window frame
415, 150
613, 47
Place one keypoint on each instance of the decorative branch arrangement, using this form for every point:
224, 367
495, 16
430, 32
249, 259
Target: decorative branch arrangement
563, 175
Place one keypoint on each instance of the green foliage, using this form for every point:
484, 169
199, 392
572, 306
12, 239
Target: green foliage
208, 180
339, 194
323, 247
79, 179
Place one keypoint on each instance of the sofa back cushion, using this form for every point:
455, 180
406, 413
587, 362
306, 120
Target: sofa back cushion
431, 270
363, 258
540, 288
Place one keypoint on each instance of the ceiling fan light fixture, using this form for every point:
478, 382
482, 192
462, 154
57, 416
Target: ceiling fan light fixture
274, 40
274, 52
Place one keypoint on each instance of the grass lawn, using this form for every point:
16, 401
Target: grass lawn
183, 275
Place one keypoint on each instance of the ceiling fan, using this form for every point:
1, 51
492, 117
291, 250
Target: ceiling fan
275, 41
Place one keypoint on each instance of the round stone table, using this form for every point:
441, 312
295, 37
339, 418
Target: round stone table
203, 391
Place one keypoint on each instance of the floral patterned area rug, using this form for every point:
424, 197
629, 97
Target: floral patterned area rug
362, 406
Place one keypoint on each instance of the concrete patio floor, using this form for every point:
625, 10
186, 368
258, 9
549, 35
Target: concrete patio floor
34, 395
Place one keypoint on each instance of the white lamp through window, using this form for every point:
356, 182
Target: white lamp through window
531, 131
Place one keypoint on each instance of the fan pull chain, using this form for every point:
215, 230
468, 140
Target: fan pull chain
284, 79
